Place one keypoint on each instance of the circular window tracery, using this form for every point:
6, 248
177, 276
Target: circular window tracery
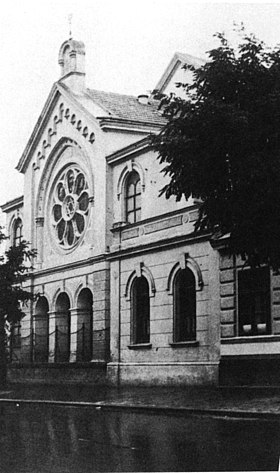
70, 207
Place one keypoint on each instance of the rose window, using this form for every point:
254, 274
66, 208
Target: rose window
70, 207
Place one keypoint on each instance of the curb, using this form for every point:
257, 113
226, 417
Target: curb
146, 407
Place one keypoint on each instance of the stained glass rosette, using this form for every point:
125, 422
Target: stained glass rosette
70, 207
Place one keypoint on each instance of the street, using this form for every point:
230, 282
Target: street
38, 438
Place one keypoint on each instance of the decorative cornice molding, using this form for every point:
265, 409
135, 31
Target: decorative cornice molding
136, 148
12, 204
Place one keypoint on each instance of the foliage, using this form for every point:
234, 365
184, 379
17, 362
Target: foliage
14, 267
221, 144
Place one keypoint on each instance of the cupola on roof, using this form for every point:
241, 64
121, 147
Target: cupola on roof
72, 57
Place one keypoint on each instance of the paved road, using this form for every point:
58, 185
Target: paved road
45, 439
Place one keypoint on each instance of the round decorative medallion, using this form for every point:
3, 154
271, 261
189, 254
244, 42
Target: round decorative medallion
70, 207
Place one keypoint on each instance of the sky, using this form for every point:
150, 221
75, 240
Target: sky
129, 43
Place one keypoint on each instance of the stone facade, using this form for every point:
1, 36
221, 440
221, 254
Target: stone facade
97, 244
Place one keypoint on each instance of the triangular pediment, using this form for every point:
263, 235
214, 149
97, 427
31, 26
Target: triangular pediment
61, 114
175, 73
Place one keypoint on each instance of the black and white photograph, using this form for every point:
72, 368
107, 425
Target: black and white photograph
139, 236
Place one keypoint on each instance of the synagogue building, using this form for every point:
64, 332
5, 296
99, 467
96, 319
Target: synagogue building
129, 293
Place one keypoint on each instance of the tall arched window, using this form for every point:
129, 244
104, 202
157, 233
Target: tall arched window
17, 232
84, 328
133, 198
41, 330
184, 306
141, 311
62, 328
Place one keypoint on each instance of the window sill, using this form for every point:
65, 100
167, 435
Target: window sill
251, 339
191, 343
139, 346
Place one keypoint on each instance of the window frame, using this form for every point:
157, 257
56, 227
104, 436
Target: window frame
142, 336
136, 210
257, 329
180, 315
17, 239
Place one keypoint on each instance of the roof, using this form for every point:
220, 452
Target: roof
178, 60
12, 204
127, 107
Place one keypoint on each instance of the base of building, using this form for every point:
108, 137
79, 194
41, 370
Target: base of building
93, 373
254, 370
163, 374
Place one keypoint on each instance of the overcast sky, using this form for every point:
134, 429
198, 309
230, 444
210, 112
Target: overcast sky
128, 45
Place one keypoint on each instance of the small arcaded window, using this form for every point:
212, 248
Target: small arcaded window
141, 311
133, 198
17, 232
184, 306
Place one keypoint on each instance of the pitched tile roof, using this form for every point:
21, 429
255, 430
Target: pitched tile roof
127, 107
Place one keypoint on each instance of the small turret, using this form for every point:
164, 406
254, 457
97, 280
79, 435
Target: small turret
72, 62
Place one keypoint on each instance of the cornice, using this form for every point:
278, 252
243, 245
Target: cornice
36, 133
121, 124
157, 245
69, 266
12, 204
135, 148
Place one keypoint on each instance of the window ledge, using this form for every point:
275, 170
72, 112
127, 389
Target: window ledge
191, 343
251, 339
139, 346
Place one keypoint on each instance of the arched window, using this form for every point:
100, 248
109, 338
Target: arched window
141, 311
184, 306
84, 325
17, 232
133, 198
62, 328
41, 330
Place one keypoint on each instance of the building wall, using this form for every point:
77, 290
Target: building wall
232, 344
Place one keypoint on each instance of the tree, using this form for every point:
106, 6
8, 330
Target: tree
221, 144
14, 267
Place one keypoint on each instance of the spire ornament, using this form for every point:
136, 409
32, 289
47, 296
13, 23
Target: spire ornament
70, 16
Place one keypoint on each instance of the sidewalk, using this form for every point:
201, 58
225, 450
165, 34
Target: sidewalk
241, 402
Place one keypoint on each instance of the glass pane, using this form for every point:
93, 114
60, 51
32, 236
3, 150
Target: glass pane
142, 311
130, 204
61, 229
138, 201
70, 181
137, 215
80, 183
60, 191
185, 306
130, 190
80, 222
138, 187
57, 212
70, 233
83, 201
254, 301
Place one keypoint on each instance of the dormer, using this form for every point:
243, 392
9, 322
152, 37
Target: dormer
72, 62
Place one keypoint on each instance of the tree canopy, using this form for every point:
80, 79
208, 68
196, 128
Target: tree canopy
14, 266
221, 145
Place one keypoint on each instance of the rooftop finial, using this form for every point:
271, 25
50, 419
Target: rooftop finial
70, 25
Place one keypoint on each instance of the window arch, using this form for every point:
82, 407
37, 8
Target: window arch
184, 291
17, 232
140, 311
41, 330
133, 197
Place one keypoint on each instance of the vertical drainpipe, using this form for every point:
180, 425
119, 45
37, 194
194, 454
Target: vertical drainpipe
119, 335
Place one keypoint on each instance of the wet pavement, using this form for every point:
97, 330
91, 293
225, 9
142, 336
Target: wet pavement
256, 402
45, 438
